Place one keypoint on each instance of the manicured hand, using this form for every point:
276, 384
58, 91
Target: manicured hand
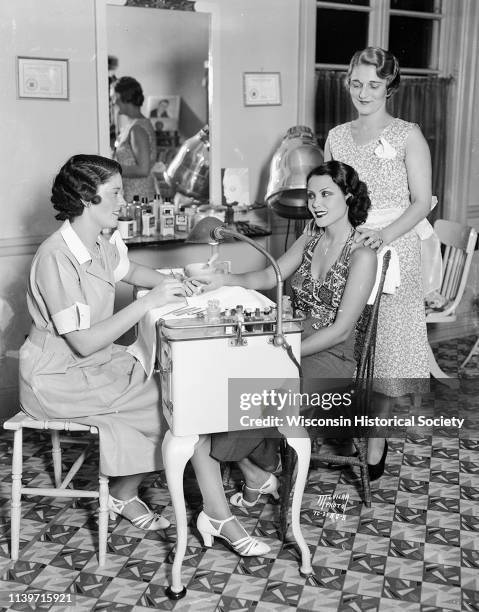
371, 238
193, 286
168, 290
211, 281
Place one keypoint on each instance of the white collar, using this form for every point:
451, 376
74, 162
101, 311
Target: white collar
73, 242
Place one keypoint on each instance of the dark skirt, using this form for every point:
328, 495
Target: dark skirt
319, 373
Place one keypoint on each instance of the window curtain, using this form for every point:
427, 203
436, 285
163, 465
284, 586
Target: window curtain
422, 100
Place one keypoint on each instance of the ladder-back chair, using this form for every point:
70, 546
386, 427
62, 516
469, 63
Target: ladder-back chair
366, 344
459, 242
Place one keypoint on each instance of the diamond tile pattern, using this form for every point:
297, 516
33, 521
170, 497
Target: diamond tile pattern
415, 550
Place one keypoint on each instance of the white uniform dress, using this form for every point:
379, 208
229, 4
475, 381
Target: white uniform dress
69, 289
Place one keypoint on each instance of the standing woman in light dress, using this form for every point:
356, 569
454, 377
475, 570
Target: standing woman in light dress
135, 149
392, 157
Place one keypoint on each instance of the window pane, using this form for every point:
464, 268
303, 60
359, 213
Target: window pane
414, 5
410, 41
352, 2
349, 27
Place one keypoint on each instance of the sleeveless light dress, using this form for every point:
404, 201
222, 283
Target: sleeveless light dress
401, 363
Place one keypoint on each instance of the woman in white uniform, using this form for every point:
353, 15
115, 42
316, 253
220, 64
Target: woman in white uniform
69, 366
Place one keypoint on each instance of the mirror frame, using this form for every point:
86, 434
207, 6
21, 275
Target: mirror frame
209, 7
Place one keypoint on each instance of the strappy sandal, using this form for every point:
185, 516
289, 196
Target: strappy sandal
150, 521
270, 487
246, 546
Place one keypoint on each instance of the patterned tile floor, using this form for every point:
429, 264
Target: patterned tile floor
415, 549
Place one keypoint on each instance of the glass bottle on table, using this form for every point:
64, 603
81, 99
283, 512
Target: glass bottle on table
213, 315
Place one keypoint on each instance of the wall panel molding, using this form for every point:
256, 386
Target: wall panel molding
24, 245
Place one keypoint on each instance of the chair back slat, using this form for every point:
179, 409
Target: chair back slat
460, 259
454, 266
365, 367
453, 234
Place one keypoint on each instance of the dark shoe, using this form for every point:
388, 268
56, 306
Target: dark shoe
377, 470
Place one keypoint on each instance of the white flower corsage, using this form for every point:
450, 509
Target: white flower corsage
384, 150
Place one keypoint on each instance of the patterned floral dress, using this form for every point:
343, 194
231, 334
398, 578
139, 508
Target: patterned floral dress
402, 348
319, 300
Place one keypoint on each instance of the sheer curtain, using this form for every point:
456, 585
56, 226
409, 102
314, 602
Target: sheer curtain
422, 100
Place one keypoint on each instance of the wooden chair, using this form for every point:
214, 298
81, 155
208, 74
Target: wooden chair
459, 242
366, 343
17, 424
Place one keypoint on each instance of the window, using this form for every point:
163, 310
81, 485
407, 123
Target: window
408, 28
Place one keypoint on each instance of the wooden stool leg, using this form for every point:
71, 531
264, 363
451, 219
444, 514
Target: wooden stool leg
57, 457
16, 507
102, 519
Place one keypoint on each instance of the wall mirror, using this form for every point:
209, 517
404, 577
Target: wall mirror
166, 46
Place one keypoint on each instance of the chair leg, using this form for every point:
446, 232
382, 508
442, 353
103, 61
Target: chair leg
363, 456
102, 519
472, 352
441, 376
227, 474
289, 459
56, 457
16, 506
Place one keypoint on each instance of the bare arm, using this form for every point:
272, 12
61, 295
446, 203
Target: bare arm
87, 341
359, 285
140, 145
327, 151
262, 279
143, 276
418, 167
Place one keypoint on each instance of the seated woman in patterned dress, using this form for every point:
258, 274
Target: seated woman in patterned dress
333, 277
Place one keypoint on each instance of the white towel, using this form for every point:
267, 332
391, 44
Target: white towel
393, 274
144, 348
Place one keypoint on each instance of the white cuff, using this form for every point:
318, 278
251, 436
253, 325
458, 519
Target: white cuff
73, 318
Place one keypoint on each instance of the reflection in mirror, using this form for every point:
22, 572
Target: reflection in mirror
166, 51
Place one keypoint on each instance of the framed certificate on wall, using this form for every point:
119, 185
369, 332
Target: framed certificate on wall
262, 88
44, 78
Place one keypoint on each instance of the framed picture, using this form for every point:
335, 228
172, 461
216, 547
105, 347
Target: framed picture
164, 112
40, 77
262, 88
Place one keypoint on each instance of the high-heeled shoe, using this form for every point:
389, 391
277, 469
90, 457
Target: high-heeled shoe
376, 470
150, 521
270, 487
246, 546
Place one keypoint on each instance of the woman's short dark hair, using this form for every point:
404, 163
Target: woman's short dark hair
78, 182
347, 179
386, 64
130, 91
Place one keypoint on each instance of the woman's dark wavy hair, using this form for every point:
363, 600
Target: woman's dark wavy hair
347, 179
78, 182
386, 64
129, 90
